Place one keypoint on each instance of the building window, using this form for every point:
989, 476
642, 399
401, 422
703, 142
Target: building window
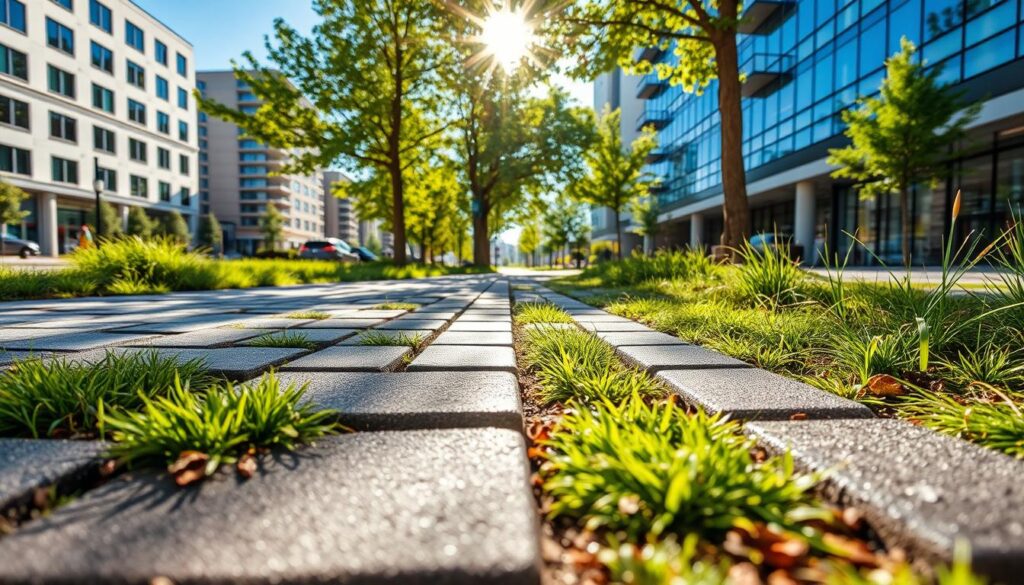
182, 65
60, 37
249, 144
67, 4
13, 62
162, 89
63, 127
165, 192
61, 81
185, 197
102, 57
183, 131
182, 98
13, 112
102, 98
12, 13
134, 36
137, 150
103, 139
15, 160
252, 183
136, 75
99, 16
64, 170
163, 123
183, 163
138, 186
163, 158
161, 52
109, 178
252, 170
136, 112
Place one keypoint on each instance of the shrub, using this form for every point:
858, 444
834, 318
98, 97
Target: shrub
63, 397
139, 265
221, 422
283, 339
34, 284
540, 313
655, 470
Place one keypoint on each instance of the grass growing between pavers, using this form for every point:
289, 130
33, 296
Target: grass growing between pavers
283, 339
68, 398
397, 306
316, 315
400, 338
134, 266
624, 481
944, 358
524, 313
195, 433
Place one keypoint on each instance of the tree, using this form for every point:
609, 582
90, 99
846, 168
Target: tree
271, 226
211, 234
603, 34
373, 244
905, 135
578, 227
369, 70
11, 198
434, 201
645, 215
615, 173
529, 240
140, 224
175, 227
112, 225
566, 226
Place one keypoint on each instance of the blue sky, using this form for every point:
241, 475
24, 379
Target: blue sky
221, 30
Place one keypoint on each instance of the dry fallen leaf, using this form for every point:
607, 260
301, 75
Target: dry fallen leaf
189, 468
246, 466
884, 385
798, 416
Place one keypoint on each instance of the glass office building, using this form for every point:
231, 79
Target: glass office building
805, 62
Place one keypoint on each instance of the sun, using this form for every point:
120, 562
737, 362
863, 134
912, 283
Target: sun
507, 37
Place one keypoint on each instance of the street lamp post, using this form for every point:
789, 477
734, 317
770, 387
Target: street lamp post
98, 187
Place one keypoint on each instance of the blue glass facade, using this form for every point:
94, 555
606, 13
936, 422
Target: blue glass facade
806, 63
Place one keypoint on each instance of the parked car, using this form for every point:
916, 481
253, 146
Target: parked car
23, 248
328, 249
365, 254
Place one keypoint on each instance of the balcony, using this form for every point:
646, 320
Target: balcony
657, 118
650, 54
759, 18
657, 155
763, 70
650, 86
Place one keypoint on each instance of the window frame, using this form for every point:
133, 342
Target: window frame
109, 139
12, 113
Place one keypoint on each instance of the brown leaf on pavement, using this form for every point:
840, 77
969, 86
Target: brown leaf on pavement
246, 466
189, 468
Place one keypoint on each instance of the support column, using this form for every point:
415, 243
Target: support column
123, 209
46, 211
697, 230
804, 216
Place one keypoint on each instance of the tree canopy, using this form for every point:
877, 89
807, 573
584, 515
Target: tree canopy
271, 227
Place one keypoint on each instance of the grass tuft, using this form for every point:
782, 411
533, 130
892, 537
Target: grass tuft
221, 422
67, 398
283, 339
540, 313
650, 470
662, 563
997, 425
397, 306
374, 337
318, 315
768, 277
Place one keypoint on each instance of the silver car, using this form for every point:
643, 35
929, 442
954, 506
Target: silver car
23, 248
328, 249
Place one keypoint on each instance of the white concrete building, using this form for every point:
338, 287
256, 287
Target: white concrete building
340, 219
237, 178
94, 89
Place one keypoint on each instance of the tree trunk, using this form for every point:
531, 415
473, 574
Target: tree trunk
905, 224
481, 237
618, 232
398, 211
735, 210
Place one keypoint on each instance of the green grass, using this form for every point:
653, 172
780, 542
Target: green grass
663, 563
222, 422
639, 269
374, 337
131, 265
575, 365
998, 424
318, 315
651, 470
397, 306
283, 339
540, 313
65, 397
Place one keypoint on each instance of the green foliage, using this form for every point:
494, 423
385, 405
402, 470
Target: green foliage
616, 174
68, 397
540, 313
155, 265
653, 470
997, 425
988, 365
221, 421
566, 225
18, 284
392, 306
662, 563
210, 233
140, 224
175, 228
573, 365
399, 338
112, 226
768, 277
644, 211
318, 315
867, 355
11, 198
529, 239
663, 265
905, 135
283, 339
434, 203
271, 226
